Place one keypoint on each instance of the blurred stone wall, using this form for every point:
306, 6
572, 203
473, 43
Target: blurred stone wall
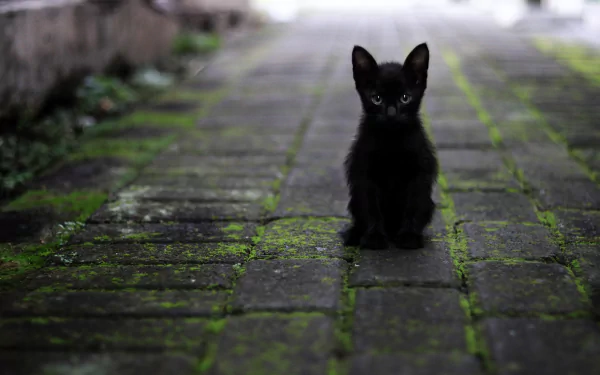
46, 44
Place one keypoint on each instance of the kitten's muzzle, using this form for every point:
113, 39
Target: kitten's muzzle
391, 111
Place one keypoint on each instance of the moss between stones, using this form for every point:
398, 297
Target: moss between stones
578, 57
457, 243
545, 217
139, 152
83, 203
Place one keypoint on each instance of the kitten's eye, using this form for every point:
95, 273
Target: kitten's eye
404, 99
376, 99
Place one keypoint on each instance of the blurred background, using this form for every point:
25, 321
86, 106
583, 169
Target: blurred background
67, 65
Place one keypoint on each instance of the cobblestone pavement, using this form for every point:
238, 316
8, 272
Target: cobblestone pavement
222, 256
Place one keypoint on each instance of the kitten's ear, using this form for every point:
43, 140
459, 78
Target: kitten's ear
364, 66
417, 61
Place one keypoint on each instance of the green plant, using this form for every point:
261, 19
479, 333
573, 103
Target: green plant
99, 95
193, 43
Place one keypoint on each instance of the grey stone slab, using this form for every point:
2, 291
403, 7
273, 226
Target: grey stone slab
321, 174
415, 364
28, 363
534, 346
461, 138
171, 303
578, 225
429, 266
298, 344
312, 201
524, 288
99, 173
239, 145
586, 265
173, 162
475, 170
494, 206
408, 320
290, 285
303, 238
132, 210
125, 276
208, 182
151, 253
547, 162
506, 240
568, 194
102, 334
173, 106
201, 171
590, 156
192, 194
164, 233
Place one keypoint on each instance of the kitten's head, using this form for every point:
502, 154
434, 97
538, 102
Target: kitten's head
391, 91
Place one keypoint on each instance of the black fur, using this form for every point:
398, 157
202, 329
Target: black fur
391, 167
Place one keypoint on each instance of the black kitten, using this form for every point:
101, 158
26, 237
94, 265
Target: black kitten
391, 167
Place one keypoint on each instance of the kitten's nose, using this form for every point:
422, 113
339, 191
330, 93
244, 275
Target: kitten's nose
391, 111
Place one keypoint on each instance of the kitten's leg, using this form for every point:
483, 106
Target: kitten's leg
417, 215
374, 238
352, 235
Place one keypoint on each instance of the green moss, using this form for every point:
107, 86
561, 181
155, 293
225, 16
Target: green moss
83, 203
270, 203
171, 120
195, 43
139, 152
78, 206
233, 228
143, 236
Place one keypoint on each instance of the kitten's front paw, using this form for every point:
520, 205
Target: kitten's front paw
409, 241
351, 236
374, 240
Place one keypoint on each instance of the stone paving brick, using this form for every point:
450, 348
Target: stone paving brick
533, 346
114, 304
569, 194
475, 170
429, 266
322, 173
587, 266
162, 233
505, 240
494, 206
460, 135
275, 344
151, 253
290, 285
183, 211
146, 277
547, 162
208, 182
408, 320
193, 194
415, 364
27, 363
239, 145
200, 165
312, 201
94, 334
524, 288
303, 238
578, 225
589, 155
173, 106
272, 170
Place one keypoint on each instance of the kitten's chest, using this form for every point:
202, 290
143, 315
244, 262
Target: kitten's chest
392, 166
